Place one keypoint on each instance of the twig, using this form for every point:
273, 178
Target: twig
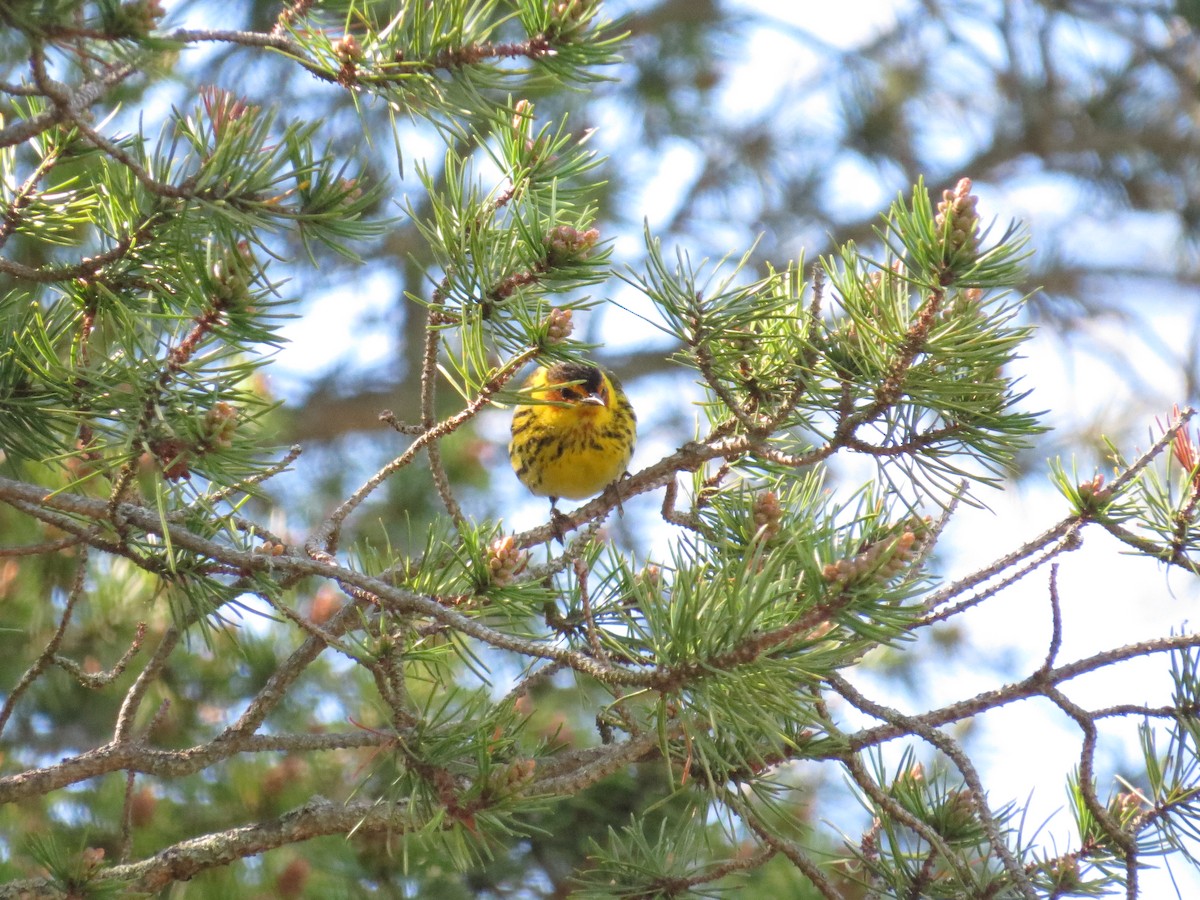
688, 520
46, 657
134, 755
1056, 623
24, 195
126, 839
603, 763
67, 104
948, 746
84, 95
796, 854
1054, 533
324, 540
1033, 686
1087, 778
38, 549
593, 637
861, 777
97, 680
141, 684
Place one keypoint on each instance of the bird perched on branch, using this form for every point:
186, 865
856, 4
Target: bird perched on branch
578, 435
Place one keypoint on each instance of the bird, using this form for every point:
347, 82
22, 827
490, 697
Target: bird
579, 439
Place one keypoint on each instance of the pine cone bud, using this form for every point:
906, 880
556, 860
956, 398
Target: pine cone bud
290, 14
326, 603
881, 283
651, 576
567, 17
767, 516
1124, 806
901, 555
1095, 489
352, 190
232, 274
348, 52
522, 117
960, 809
962, 303
505, 560
957, 213
171, 454
882, 559
135, 18
566, 244
220, 423
347, 49
520, 772
870, 840
1064, 873
558, 326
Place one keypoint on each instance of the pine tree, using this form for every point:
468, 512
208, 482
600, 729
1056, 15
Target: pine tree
446, 705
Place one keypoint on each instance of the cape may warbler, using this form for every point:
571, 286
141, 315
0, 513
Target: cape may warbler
579, 440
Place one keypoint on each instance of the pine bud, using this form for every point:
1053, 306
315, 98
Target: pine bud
651, 576
172, 455
558, 326
291, 12
901, 555
767, 516
883, 559
505, 560
351, 190
957, 213
960, 810
231, 275
567, 17
1064, 873
522, 118
520, 772
1124, 806
565, 244
347, 49
134, 19
869, 846
884, 283
1095, 489
220, 423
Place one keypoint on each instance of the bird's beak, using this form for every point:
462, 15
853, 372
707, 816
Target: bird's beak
594, 400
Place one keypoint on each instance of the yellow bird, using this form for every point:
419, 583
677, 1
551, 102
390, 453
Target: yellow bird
579, 440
